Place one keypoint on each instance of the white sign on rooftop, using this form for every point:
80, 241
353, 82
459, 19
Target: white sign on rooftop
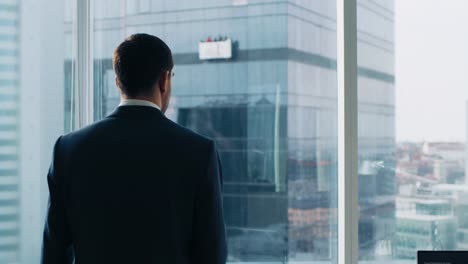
210, 50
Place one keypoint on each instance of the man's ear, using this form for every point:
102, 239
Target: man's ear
163, 81
117, 85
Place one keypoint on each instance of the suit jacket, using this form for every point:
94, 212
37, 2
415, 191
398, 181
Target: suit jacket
134, 188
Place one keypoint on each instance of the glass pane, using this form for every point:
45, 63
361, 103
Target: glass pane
271, 108
35, 50
412, 168
376, 129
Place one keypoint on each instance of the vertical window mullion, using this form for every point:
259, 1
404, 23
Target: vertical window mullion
83, 69
348, 209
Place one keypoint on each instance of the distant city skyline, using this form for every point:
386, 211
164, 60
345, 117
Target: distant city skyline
431, 70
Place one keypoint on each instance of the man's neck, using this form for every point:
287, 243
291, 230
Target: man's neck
153, 100
138, 102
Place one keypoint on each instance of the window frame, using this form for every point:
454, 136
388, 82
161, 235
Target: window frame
83, 75
348, 185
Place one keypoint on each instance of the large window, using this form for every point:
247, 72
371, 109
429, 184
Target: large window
32, 113
260, 77
271, 107
412, 118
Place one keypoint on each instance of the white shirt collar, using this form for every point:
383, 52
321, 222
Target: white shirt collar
138, 102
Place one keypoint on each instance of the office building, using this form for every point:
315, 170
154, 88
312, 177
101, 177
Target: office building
462, 217
9, 129
425, 220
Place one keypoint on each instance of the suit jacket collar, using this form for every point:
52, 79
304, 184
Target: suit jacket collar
136, 112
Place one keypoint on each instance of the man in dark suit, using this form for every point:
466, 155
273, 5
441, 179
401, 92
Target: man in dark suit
136, 187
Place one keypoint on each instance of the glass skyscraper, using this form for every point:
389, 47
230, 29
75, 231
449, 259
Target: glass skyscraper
9, 139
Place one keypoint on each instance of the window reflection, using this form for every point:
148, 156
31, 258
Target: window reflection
270, 104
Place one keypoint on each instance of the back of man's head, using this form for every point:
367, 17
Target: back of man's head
139, 62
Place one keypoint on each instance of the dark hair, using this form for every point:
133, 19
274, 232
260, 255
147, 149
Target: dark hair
139, 62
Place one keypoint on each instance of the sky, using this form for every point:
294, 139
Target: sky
431, 68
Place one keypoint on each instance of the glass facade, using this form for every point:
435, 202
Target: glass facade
9, 128
424, 222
